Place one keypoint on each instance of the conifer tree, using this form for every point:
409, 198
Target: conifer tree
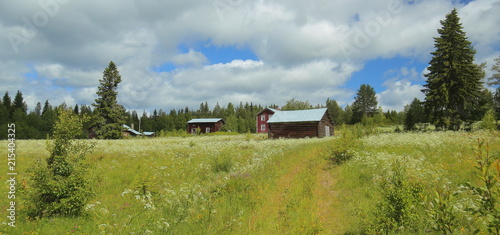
495, 79
19, 103
365, 103
110, 115
454, 81
7, 102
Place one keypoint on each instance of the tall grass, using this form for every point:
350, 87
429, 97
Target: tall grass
414, 183
176, 185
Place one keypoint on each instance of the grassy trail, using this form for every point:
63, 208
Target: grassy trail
302, 199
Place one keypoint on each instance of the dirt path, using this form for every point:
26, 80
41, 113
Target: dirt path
302, 199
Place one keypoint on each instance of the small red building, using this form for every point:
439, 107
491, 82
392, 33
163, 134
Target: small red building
261, 119
205, 125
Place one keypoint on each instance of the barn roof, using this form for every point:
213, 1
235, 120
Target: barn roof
205, 120
310, 115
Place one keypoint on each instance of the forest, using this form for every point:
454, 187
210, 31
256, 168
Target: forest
37, 123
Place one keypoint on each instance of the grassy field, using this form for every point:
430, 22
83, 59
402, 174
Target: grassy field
246, 184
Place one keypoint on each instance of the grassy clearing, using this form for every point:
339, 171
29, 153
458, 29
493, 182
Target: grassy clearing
195, 185
245, 184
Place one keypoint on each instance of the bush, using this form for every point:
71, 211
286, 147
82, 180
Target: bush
221, 163
60, 184
342, 149
399, 208
489, 121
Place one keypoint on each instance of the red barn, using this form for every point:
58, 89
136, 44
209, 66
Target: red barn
206, 125
261, 119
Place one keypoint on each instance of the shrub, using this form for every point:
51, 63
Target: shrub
489, 192
221, 163
489, 121
399, 206
342, 149
60, 184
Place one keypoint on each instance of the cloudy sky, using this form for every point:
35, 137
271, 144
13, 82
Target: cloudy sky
173, 54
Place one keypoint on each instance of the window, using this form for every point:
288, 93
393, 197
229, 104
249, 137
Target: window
262, 127
263, 117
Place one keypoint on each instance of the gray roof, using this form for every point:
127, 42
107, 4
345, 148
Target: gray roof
310, 115
131, 130
204, 120
127, 128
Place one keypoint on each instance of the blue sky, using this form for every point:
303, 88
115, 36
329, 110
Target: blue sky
173, 54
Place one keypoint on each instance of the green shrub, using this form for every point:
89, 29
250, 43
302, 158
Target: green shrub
343, 147
221, 163
399, 208
60, 184
489, 192
489, 121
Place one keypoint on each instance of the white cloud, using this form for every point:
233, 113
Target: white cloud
299, 45
399, 88
192, 58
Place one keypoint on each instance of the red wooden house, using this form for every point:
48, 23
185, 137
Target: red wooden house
205, 125
261, 119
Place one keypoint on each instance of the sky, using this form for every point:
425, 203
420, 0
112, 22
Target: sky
176, 54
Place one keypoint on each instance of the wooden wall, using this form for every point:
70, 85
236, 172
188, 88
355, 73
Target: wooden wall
300, 129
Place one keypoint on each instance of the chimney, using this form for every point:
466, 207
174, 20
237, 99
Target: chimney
132, 126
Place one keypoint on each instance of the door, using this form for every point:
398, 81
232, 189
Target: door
327, 131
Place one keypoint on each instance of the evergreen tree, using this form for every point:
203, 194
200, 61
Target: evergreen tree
365, 103
38, 109
46, 107
453, 81
415, 113
76, 110
495, 79
348, 114
110, 115
6, 101
335, 111
19, 103
61, 185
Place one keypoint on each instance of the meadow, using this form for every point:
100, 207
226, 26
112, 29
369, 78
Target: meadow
247, 184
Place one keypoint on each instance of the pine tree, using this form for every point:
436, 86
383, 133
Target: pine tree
110, 115
453, 81
365, 103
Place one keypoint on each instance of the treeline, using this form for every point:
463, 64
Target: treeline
38, 123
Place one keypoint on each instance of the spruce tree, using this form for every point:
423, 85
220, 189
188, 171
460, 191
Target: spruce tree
7, 102
365, 103
110, 115
495, 79
454, 81
18, 102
